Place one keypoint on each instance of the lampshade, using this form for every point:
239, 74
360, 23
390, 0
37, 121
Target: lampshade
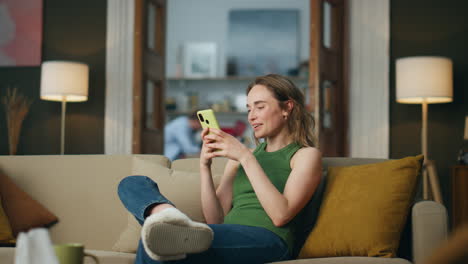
64, 80
424, 78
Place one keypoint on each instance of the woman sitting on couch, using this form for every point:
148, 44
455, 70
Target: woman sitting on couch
252, 215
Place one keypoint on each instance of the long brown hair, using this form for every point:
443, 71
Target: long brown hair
300, 122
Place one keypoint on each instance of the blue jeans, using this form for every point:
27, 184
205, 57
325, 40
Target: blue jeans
231, 243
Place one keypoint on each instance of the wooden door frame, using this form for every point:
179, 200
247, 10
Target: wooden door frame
137, 78
315, 95
142, 58
346, 80
314, 60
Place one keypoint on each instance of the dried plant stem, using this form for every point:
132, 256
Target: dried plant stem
16, 109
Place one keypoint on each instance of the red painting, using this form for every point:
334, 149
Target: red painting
20, 32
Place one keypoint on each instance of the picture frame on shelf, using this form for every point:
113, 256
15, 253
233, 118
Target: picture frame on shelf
200, 60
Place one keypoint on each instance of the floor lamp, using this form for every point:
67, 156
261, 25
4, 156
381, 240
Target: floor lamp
64, 81
425, 80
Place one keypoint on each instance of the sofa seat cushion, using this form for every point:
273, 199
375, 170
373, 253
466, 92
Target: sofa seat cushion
347, 260
111, 257
364, 209
7, 256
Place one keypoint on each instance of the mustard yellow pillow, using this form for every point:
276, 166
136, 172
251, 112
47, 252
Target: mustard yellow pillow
364, 209
6, 235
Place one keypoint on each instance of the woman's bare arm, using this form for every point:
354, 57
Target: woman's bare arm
300, 186
216, 204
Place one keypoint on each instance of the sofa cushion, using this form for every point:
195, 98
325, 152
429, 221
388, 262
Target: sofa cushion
347, 260
6, 235
364, 209
182, 187
7, 256
129, 237
193, 165
22, 210
110, 257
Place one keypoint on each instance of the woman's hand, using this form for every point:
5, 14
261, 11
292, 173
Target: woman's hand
205, 157
222, 144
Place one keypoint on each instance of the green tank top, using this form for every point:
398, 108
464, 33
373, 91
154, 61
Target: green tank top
246, 208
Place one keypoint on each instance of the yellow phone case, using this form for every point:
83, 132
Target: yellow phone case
207, 118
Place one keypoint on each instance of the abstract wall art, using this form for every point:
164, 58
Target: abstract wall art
262, 41
20, 32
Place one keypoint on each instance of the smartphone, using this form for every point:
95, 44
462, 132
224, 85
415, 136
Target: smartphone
207, 119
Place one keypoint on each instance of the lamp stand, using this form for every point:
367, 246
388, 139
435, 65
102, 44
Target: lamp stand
62, 133
429, 171
424, 149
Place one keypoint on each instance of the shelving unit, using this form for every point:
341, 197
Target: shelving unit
220, 91
213, 91
231, 113
228, 78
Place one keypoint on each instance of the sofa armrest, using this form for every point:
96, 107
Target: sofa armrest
429, 225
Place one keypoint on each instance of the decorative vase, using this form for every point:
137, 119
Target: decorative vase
16, 109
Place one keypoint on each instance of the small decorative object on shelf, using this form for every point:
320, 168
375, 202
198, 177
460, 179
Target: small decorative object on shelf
462, 157
193, 101
239, 102
463, 153
223, 105
16, 109
171, 104
200, 59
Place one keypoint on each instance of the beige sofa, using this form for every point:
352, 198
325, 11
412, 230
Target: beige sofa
81, 191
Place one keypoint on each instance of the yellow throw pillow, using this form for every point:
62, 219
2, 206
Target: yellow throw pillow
6, 235
364, 209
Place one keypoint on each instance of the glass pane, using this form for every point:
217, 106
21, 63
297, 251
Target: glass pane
151, 26
327, 25
149, 105
327, 94
153, 112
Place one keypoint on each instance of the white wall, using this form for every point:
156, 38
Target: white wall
119, 77
369, 28
207, 21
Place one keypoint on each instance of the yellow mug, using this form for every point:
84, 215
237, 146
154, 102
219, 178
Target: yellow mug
72, 253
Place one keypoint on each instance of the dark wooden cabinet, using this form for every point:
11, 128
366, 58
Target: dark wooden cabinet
459, 195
